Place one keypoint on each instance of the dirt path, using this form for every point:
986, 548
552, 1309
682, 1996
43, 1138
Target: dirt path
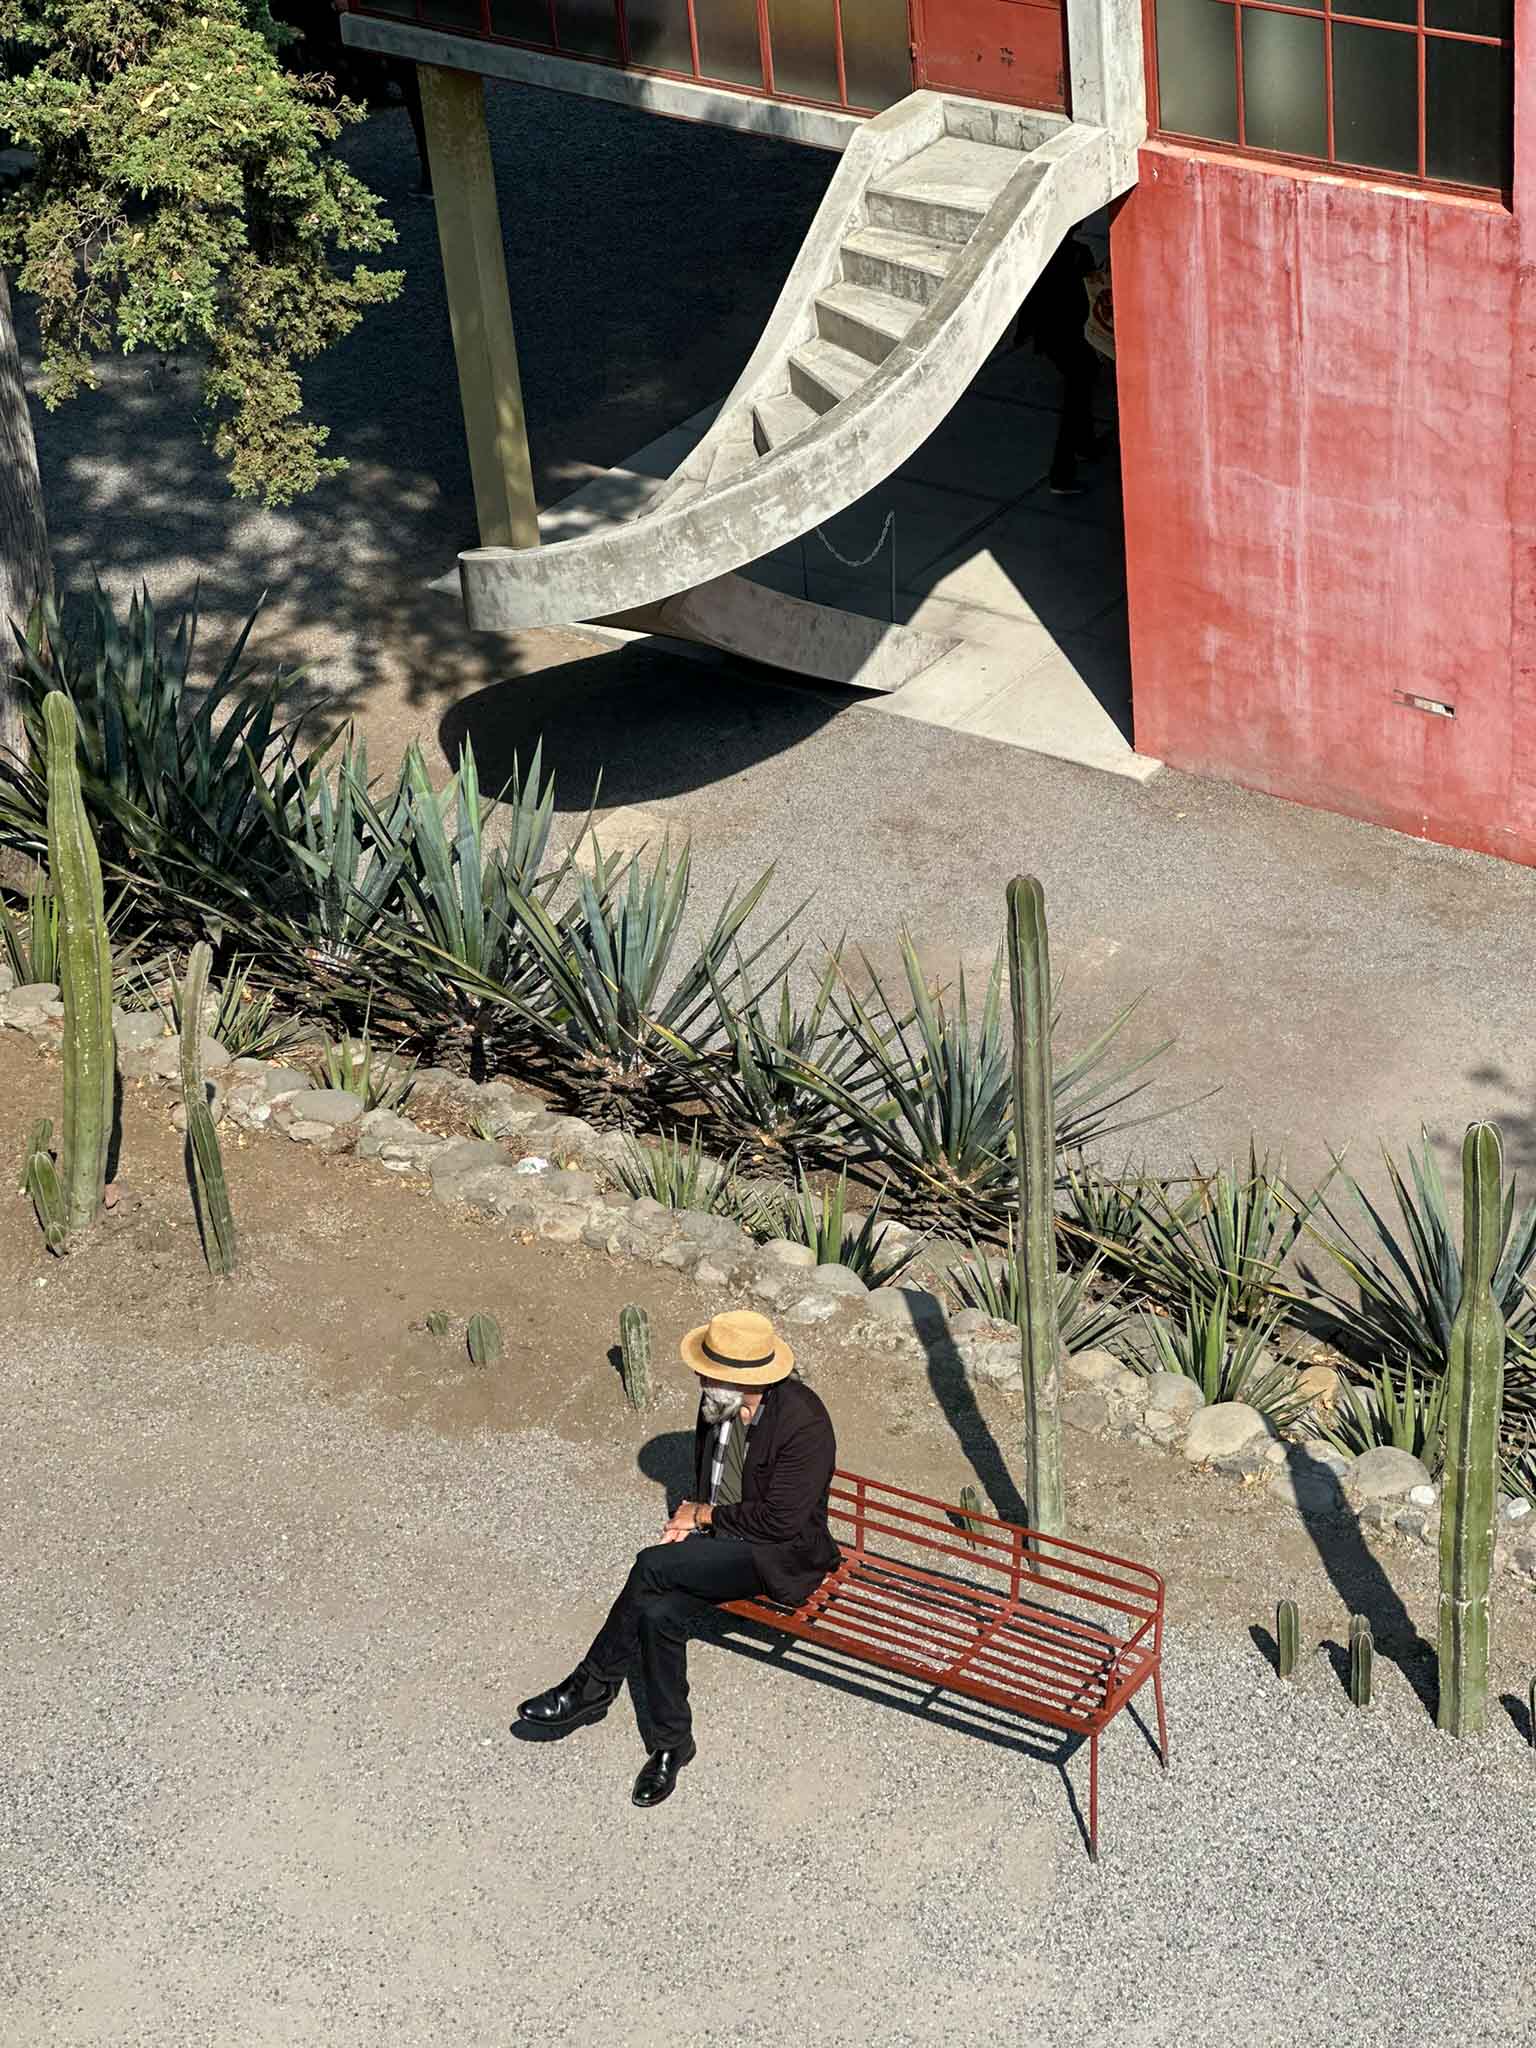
281, 1563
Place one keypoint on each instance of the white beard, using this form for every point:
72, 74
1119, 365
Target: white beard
720, 1404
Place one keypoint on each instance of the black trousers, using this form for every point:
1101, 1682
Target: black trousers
662, 1602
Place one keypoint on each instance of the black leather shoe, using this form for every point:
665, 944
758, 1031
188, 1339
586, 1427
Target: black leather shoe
658, 1774
574, 1700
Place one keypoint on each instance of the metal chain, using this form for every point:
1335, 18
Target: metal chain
890, 520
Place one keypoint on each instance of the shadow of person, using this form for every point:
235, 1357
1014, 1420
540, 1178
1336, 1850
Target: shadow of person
1359, 1579
642, 720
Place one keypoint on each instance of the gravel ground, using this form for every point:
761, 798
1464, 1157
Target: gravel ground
261, 1655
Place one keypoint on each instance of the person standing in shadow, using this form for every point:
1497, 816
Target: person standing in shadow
1054, 317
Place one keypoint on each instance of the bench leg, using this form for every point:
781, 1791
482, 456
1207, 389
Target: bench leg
1162, 1719
1093, 1798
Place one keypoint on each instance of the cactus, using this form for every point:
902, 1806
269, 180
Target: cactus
1288, 1636
40, 1180
971, 1506
85, 977
1474, 1396
1530, 1715
439, 1322
1034, 1137
635, 1355
484, 1337
1362, 1652
205, 1162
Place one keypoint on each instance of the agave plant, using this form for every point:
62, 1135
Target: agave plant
1232, 1231
347, 854
680, 1176
378, 1079
625, 1023
1407, 1282
1101, 1216
245, 1020
757, 1086
462, 937
181, 783
944, 1123
1397, 1411
29, 938
1086, 1316
821, 1221
1226, 1360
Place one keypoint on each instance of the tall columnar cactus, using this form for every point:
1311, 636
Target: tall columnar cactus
635, 1355
1034, 1126
1288, 1636
85, 976
1474, 1397
204, 1159
1362, 1656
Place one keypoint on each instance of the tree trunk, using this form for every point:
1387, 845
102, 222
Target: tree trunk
25, 574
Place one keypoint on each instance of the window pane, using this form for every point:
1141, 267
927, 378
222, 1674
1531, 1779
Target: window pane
728, 45
804, 49
590, 28
1380, 10
1468, 95
524, 21
1285, 92
1472, 17
1376, 99
451, 13
877, 53
1197, 68
658, 35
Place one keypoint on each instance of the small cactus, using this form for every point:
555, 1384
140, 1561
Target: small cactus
40, 1180
635, 1355
1288, 1635
484, 1339
85, 977
1362, 1651
1530, 1715
971, 1506
205, 1162
439, 1322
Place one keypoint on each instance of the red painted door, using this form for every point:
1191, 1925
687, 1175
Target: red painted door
1011, 50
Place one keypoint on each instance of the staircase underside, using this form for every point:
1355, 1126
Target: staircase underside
939, 219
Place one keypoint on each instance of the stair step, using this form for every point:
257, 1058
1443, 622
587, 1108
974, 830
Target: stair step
945, 190
734, 455
866, 323
903, 266
777, 420
824, 375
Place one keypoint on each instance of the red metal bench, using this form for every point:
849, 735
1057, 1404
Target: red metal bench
1067, 1636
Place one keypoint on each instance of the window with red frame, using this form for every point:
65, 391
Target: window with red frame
1420, 89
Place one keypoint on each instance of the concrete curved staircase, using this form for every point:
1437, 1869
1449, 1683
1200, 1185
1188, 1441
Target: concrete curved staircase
938, 220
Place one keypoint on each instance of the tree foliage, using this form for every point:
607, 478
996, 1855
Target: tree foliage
184, 197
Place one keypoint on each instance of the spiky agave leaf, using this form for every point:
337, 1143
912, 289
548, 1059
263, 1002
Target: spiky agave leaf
1226, 1360
991, 1281
1400, 1410
821, 1221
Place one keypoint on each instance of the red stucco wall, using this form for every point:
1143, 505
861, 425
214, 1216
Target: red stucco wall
1328, 421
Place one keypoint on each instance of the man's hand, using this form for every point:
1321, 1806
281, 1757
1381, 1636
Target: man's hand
682, 1522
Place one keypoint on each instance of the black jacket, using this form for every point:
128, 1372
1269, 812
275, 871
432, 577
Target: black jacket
782, 1513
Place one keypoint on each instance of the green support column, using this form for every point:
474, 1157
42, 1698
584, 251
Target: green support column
474, 268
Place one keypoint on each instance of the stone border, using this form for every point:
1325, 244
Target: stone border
561, 1191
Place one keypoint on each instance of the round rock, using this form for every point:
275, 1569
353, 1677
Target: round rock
1385, 1474
334, 1106
1093, 1368
1222, 1430
833, 1278
1172, 1394
785, 1252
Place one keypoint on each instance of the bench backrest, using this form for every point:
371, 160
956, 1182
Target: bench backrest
1022, 1566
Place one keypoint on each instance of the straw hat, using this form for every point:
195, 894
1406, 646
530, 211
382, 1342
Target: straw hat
740, 1347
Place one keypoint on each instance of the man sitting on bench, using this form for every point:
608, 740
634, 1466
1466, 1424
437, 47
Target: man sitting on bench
757, 1525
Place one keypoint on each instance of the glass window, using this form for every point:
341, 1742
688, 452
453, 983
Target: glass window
521, 21
728, 45
1422, 92
658, 35
1197, 68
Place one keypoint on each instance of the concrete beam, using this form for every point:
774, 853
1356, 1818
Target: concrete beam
1109, 88
479, 309
677, 98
